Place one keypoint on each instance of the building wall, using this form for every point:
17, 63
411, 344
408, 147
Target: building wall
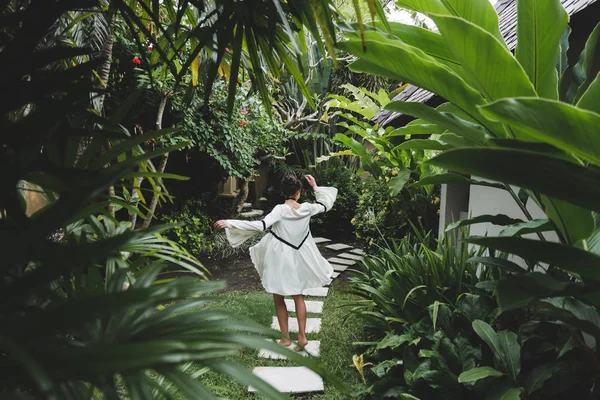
487, 200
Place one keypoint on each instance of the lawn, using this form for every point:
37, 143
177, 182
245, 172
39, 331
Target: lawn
336, 340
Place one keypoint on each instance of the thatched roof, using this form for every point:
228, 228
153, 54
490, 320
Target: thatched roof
507, 18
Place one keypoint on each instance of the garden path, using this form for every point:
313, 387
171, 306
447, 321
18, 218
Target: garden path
301, 379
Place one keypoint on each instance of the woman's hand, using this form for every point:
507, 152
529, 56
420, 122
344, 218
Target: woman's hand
311, 181
221, 224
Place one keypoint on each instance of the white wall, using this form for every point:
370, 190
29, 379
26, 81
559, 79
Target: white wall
487, 200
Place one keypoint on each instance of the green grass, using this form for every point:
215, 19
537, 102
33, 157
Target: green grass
336, 341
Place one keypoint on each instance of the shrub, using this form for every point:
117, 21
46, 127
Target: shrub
380, 216
196, 229
438, 335
337, 221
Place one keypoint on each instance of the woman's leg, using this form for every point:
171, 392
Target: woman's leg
301, 315
282, 317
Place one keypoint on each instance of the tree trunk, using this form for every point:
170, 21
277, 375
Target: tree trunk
137, 185
105, 54
154, 201
162, 165
241, 197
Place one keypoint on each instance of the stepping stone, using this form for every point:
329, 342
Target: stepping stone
311, 306
247, 205
350, 256
316, 292
252, 214
341, 261
358, 251
321, 240
313, 325
290, 379
338, 246
339, 268
313, 348
335, 275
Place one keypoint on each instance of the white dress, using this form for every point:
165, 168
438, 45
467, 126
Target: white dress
287, 258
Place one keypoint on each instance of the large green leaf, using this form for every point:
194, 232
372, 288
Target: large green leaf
430, 42
423, 144
506, 390
489, 336
397, 60
477, 56
591, 98
536, 378
588, 67
527, 227
360, 151
470, 131
496, 219
418, 129
565, 126
572, 259
498, 263
574, 312
451, 178
511, 352
475, 374
574, 223
481, 13
540, 27
515, 291
397, 183
573, 183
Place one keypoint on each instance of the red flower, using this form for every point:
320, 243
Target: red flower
136, 61
150, 48
242, 123
227, 49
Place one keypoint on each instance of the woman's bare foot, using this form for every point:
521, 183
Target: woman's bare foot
303, 342
285, 342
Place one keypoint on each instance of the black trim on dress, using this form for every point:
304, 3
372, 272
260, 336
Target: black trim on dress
288, 243
264, 224
318, 202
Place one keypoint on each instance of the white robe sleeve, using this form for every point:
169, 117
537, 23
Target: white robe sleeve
325, 198
239, 230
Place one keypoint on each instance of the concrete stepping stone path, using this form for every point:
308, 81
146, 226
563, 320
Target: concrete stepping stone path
313, 325
313, 348
336, 260
339, 268
338, 246
317, 292
312, 306
350, 256
290, 379
301, 379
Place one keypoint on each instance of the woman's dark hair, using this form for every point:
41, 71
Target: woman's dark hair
290, 184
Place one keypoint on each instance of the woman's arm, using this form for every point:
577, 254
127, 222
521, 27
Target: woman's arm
266, 222
325, 197
238, 231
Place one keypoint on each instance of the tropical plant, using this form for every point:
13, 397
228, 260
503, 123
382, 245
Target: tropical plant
69, 326
517, 120
195, 229
337, 221
406, 279
430, 319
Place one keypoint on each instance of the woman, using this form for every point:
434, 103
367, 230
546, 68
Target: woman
287, 259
